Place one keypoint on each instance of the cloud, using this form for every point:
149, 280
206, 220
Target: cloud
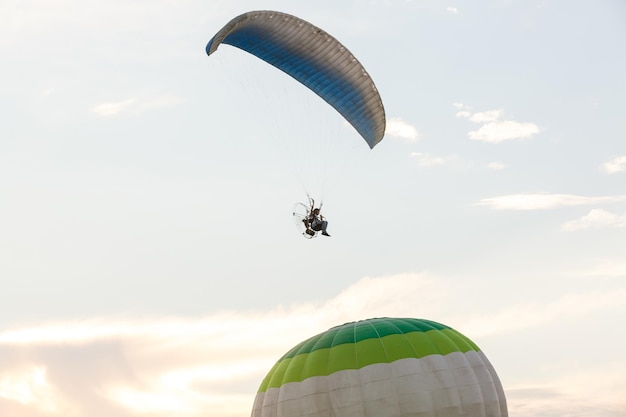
190, 367
615, 165
135, 106
110, 109
496, 166
398, 128
453, 10
532, 314
29, 386
212, 365
544, 201
426, 160
500, 131
493, 129
606, 268
596, 218
485, 116
572, 395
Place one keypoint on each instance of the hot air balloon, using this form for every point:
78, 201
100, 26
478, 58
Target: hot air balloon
383, 367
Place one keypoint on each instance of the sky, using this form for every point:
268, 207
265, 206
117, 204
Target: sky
148, 258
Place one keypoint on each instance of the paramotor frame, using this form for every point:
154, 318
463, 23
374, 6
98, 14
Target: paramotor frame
300, 218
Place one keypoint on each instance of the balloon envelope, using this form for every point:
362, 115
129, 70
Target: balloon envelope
383, 367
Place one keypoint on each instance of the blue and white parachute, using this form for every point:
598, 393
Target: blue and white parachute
315, 59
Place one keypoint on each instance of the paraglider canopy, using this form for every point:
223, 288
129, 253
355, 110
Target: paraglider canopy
315, 59
384, 367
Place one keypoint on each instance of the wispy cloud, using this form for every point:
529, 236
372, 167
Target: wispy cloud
544, 201
426, 160
596, 218
605, 268
572, 395
134, 105
113, 108
496, 166
398, 128
533, 314
29, 386
615, 165
212, 365
493, 129
207, 366
453, 10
